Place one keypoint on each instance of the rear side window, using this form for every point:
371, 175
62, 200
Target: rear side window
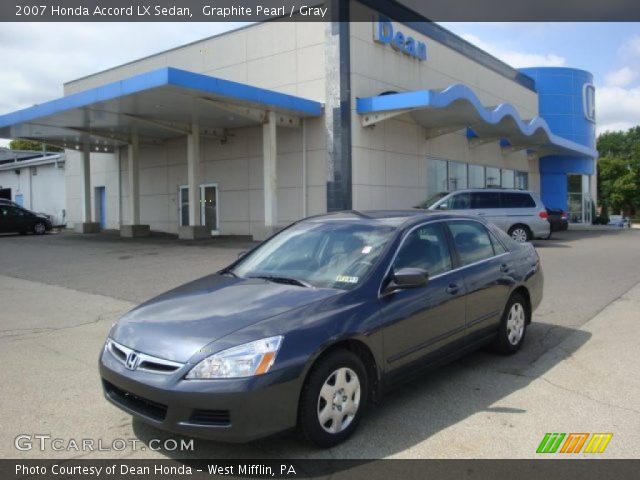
471, 240
426, 247
480, 200
517, 200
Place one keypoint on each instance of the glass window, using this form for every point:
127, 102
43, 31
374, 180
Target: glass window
323, 254
476, 176
483, 200
498, 248
457, 176
472, 241
426, 248
517, 200
508, 180
493, 177
522, 180
458, 201
436, 177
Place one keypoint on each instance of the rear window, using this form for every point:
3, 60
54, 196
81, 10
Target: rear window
517, 200
480, 200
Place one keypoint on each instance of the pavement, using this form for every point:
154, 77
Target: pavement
577, 372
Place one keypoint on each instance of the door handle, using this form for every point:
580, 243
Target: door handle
453, 288
505, 268
481, 214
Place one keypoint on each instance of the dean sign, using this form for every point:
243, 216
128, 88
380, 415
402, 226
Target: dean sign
385, 33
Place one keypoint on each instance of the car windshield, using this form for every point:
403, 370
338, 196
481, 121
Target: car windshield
326, 255
432, 200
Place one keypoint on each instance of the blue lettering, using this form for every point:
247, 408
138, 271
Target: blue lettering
385, 34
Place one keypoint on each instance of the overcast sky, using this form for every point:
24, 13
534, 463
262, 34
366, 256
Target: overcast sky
38, 58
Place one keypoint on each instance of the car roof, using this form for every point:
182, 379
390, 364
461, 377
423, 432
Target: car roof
389, 218
500, 190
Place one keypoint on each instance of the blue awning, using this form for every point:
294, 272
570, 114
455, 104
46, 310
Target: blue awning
457, 107
156, 105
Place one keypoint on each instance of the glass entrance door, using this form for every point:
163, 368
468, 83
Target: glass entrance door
183, 198
209, 207
579, 203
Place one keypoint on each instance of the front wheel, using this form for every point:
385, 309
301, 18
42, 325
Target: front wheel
39, 228
333, 399
513, 326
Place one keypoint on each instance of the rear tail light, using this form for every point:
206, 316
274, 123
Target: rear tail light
543, 214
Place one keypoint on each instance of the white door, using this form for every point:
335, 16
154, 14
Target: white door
209, 207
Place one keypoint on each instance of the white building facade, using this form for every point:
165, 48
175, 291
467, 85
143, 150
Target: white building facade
246, 132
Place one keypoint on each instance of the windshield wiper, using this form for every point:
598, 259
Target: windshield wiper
286, 280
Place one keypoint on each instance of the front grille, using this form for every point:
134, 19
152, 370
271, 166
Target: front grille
148, 363
143, 406
210, 417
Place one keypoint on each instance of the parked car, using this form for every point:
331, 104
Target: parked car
619, 221
520, 213
557, 219
6, 201
310, 326
14, 218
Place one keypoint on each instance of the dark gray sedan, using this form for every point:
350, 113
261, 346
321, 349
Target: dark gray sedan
313, 324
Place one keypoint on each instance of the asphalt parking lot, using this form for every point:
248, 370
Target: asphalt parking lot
60, 293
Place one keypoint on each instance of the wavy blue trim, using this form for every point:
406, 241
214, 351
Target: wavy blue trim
434, 99
165, 77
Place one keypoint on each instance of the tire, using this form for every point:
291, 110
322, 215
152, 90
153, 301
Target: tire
39, 228
520, 233
318, 395
513, 325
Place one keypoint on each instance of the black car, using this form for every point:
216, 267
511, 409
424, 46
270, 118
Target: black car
319, 320
558, 219
15, 219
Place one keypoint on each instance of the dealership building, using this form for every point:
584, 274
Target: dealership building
247, 131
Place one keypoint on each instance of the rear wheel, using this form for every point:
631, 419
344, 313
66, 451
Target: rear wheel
520, 233
513, 326
333, 399
39, 228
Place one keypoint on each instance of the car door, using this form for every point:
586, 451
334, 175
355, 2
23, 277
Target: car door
13, 220
485, 266
487, 206
419, 322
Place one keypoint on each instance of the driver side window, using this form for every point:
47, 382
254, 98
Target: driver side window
425, 247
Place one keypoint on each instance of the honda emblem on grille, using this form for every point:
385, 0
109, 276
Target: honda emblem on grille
133, 360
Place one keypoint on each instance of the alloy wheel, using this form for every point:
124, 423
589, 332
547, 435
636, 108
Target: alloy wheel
519, 235
339, 400
515, 323
39, 228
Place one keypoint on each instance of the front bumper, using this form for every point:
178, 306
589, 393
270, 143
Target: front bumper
232, 410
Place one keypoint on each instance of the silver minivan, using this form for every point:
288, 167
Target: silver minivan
520, 213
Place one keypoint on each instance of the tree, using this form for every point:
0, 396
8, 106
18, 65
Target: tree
619, 171
19, 144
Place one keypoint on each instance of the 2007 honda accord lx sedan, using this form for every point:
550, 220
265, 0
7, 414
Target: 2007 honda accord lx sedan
323, 318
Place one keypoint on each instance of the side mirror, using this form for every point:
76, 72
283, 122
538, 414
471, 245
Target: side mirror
242, 253
407, 278
443, 206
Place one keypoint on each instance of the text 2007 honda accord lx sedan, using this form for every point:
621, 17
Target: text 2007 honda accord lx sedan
319, 320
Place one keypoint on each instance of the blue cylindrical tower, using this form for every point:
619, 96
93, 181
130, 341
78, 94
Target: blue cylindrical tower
566, 101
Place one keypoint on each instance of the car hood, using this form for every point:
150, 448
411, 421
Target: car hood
179, 323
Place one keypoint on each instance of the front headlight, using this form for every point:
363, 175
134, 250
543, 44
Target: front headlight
247, 360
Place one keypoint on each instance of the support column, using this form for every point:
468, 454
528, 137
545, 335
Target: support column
86, 226
195, 229
134, 228
270, 181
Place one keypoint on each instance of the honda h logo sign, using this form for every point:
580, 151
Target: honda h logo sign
133, 360
589, 102
385, 33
